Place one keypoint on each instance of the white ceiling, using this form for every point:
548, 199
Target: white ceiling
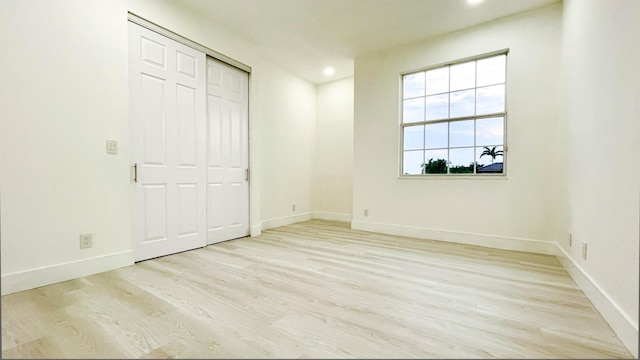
305, 36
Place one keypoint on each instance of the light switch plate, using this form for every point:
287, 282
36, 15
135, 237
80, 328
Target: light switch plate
112, 147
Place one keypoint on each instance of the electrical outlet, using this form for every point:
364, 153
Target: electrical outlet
366, 212
570, 239
584, 251
293, 207
86, 241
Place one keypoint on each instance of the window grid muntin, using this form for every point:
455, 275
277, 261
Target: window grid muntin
448, 92
449, 120
449, 147
504, 52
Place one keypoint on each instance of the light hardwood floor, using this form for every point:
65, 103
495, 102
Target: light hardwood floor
315, 290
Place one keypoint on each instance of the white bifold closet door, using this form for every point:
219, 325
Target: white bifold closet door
168, 137
227, 152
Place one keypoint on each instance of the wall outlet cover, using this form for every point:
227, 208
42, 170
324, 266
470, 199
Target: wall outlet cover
86, 241
112, 147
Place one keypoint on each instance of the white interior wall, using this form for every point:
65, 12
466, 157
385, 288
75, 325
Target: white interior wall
64, 91
332, 186
516, 212
288, 113
601, 49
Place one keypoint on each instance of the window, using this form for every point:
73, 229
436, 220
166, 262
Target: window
454, 117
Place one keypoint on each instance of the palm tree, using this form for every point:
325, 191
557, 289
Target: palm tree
492, 152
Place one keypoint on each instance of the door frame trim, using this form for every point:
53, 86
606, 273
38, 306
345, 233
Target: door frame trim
184, 41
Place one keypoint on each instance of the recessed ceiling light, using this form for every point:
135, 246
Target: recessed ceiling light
328, 71
474, 2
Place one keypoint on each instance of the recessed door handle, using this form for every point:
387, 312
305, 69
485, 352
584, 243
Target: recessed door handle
135, 172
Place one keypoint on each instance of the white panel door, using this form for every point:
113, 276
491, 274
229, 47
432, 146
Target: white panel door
168, 136
227, 152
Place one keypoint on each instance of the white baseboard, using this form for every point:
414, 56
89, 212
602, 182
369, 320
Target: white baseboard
331, 216
287, 220
622, 324
492, 241
255, 230
30, 279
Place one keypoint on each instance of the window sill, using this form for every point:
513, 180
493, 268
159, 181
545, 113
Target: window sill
450, 177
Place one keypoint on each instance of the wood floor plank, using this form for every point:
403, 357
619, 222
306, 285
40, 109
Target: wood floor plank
315, 289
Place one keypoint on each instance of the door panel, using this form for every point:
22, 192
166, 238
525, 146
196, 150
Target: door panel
187, 139
168, 132
155, 204
186, 64
215, 141
151, 52
188, 216
228, 152
152, 117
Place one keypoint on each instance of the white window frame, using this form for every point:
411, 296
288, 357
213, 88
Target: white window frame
450, 120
